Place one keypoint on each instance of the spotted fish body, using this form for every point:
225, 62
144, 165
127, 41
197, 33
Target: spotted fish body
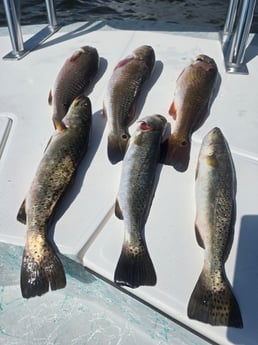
41, 266
120, 101
190, 107
73, 79
212, 300
136, 191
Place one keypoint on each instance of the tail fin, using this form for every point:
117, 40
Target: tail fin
41, 269
117, 148
215, 305
134, 267
176, 152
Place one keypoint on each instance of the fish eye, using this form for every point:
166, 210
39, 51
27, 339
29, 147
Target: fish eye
124, 136
184, 143
211, 153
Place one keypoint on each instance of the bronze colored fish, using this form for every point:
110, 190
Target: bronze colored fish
41, 266
73, 79
136, 192
121, 98
212, 300
190, 107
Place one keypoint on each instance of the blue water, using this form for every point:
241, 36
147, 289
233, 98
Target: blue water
209, 13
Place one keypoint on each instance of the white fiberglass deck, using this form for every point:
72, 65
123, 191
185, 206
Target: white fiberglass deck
86, 227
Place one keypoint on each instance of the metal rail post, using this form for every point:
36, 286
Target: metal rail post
235, 36
12, 10
20, 49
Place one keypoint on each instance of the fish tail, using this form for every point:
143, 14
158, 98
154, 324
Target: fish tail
177, 152
116, 148
134, 267
216, 304
40, 269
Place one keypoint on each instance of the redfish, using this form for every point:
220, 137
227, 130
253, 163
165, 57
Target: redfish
136, 192
213, 300
190, 107
120, 101
41, 266
73, 79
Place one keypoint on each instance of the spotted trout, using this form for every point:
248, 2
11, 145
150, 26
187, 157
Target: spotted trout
190, 107
212, 300
136, 192
120, 101
73, 79
41, 266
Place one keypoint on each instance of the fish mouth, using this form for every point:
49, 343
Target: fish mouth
205, 62
153, 122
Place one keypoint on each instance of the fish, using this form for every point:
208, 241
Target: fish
212, 300
41, 267
189, 109
123, 91
136, 191
74, 78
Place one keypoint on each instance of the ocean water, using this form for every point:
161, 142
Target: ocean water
208, 13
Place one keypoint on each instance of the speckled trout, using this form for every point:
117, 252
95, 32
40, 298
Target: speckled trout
136, 192
73, 79
190, 107
120, 101
212, 300
41, 266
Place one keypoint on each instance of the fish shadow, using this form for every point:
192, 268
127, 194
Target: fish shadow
158, 68
101, 71
74, 188
245, 282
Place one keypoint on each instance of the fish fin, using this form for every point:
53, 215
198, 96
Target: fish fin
172, 110
118, 211
199, 237
50, 97
117, 148
21, 215
58, 124
134, 267
217, 307
39, 270
176, 152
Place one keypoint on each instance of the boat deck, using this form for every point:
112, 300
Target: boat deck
86, 229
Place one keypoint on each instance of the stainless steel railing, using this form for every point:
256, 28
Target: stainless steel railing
234, 37
13, 14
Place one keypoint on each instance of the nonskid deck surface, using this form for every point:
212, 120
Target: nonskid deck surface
86, 226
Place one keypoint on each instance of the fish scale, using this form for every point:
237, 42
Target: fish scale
41, 266
119, 104
73, 79
136, 192
212, 300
